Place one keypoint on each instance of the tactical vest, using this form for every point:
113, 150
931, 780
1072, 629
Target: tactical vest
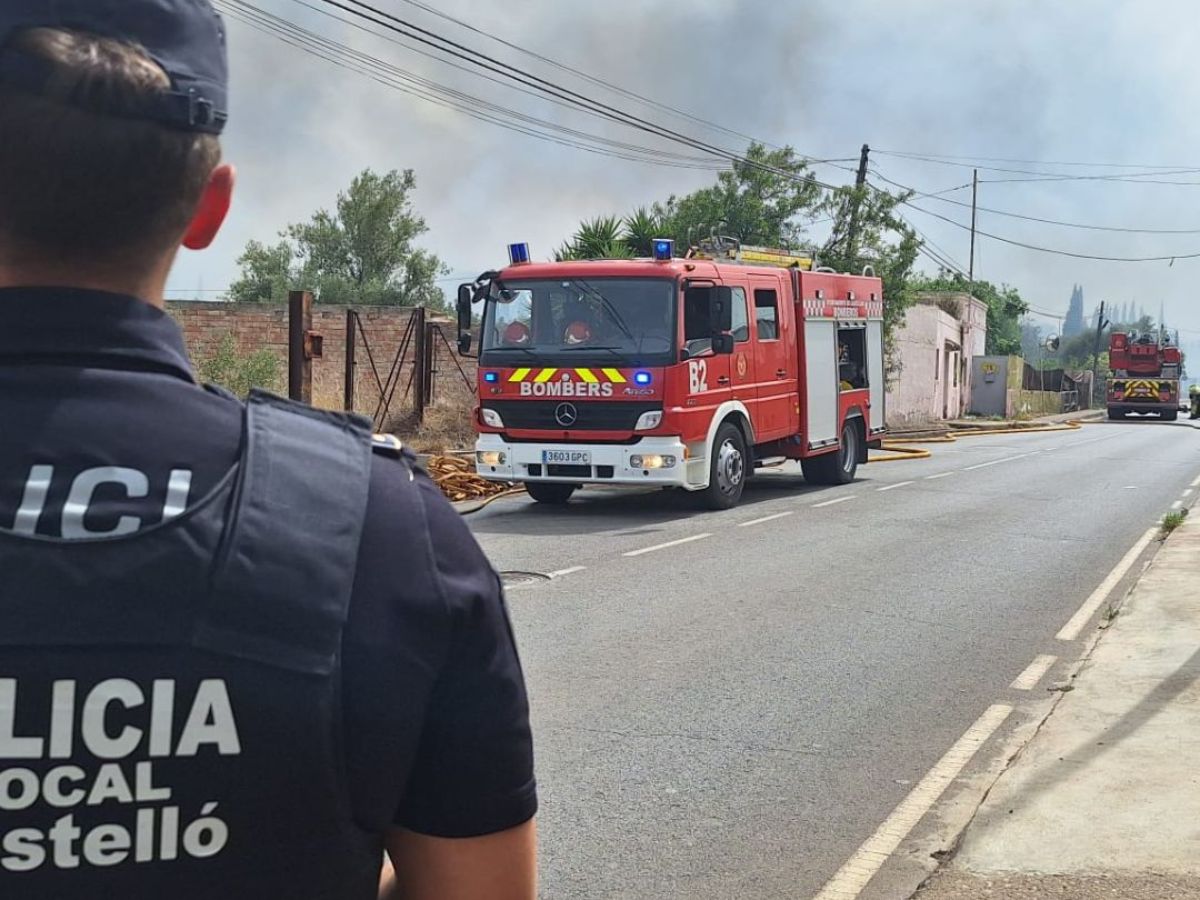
169, 700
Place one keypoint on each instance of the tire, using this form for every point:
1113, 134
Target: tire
552, 493
840, 466
1116, 413
1170, 415
726, 469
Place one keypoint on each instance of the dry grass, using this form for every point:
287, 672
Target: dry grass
447, 426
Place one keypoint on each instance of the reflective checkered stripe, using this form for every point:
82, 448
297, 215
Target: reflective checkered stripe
588, 376
821, 308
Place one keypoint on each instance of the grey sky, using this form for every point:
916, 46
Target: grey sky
1108, 82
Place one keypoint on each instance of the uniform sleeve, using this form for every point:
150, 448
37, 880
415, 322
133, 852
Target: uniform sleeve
473, 773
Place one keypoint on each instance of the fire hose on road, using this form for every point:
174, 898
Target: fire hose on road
457, 479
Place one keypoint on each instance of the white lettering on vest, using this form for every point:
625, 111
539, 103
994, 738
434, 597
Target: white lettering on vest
83, 490
95, 710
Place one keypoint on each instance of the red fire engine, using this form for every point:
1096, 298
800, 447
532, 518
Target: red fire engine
676, 372
1143, 375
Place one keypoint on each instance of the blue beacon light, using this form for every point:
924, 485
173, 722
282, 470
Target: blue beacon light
642, 378
491, 377
518, 253
663, 249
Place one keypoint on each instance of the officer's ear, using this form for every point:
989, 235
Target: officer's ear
212, 209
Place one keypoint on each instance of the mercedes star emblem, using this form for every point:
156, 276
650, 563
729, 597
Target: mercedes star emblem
566, 414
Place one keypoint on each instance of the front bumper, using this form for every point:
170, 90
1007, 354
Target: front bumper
609, 462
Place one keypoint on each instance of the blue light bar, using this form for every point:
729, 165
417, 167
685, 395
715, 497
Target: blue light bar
664, 249
491, 377
642, 378
518, 253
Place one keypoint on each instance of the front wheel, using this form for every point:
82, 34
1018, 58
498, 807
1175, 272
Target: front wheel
726, 469
840, 466
551, 492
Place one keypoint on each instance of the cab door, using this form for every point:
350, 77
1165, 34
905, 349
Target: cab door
703, 381
742, 367
776, 412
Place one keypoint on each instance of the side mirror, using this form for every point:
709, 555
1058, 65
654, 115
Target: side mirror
720, 319
722, 344
464, 319
720, 309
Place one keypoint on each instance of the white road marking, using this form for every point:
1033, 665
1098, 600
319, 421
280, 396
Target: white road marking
571, 571
1033, 673
852, 877
831, 502
1077, 622
892, 487
764, 519
1196, 482
686, 540
1178, 504
939, 475
995, 462
1187, 492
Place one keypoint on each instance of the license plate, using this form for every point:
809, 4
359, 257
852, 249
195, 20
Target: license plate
567, 457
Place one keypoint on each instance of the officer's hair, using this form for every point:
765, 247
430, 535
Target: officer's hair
81, 183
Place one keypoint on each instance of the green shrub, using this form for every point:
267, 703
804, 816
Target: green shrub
239, 372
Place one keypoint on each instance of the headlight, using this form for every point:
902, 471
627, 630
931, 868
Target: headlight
651, 461
648, 420
491, 418
491, 457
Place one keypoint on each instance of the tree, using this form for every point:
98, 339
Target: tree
362, 252
1004, 308
770, 198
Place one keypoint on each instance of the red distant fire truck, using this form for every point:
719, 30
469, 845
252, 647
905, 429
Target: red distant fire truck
1143, 375
677, 372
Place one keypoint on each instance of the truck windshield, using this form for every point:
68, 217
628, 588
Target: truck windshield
609, 321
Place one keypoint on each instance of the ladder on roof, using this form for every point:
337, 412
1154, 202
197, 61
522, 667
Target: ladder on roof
727, 249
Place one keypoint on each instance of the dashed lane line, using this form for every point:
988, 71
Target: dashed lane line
852, 877
892, 487
939, 475
1196, 482
995, 462
1078, 622
1033, 673
1178, 504
831, 502
764, 519
676, 543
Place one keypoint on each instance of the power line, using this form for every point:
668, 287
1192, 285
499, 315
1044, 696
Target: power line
389, 75
972, 160
1134, 177
1016, 243
1028, 218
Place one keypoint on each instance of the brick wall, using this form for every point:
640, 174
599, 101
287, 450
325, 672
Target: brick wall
264, 326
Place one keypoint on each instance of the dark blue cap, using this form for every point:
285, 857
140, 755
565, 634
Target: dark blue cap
185, 37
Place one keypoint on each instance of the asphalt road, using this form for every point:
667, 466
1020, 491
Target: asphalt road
732, 716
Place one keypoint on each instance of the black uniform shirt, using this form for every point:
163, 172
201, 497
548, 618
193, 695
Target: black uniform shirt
436, 724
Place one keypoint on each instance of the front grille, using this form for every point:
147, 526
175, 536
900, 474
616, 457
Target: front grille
590, 415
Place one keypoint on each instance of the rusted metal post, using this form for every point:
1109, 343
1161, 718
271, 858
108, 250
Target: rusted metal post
419, 364
351, 360
299, 360
431, 351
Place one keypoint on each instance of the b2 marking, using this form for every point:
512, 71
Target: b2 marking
697, 376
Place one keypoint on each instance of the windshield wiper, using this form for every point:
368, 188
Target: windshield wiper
524, 350
582, 348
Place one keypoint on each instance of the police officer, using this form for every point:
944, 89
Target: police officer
243, 651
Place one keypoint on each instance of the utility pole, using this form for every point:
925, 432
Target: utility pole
1101, 324
974, 196
859, 181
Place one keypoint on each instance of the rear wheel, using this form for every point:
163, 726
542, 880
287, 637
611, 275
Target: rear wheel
726, 469
840, 466
1170, 415
551, 492
1116, 413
